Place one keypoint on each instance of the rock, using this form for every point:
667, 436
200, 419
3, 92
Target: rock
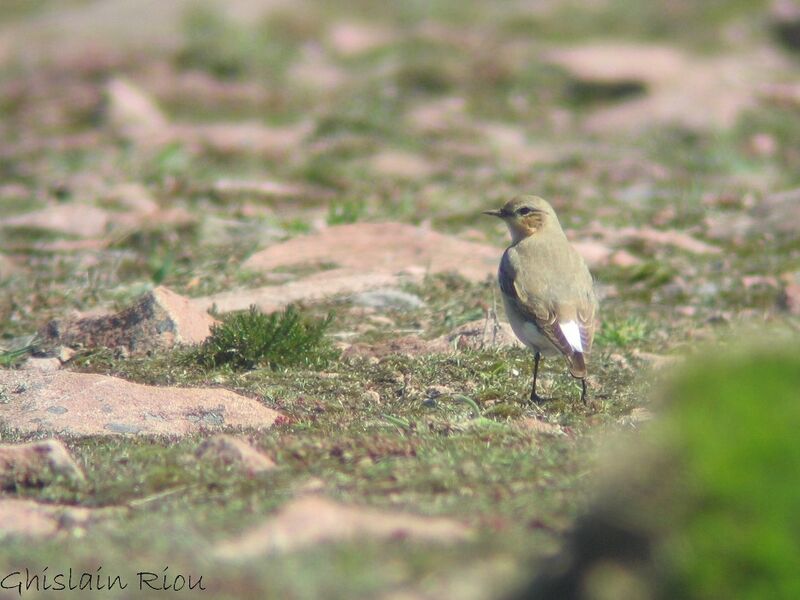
382, 248
690, 90
479, 335
159, 319
779, 213
29, 519
402, 165
731, 226
78, 219
74, 404
349, 38
316, 287
310, 520
35, 363
651, 237
614, 63
789, 299
410, 345
7, 267
539, 426
657, 361
133, 115
231, 451
388, 299
265, 189
594, 253
36, 463
241, 137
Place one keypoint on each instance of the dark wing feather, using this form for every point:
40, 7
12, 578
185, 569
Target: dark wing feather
545, 318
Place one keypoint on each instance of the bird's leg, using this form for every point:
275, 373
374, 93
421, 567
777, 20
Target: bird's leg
534, 397
583, 390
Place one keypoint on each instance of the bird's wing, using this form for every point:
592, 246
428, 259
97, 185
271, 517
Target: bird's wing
587, 322
566, 335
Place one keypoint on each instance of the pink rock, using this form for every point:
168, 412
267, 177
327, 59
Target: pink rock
232, 451
36, 463
539, 426
623, 258
382, 247
159, 319
87, 404
30, 519
311, 520
790, 298
82, 220
594, 253
316, 287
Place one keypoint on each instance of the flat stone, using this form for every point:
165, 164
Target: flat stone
382, 247
409, 345
31, 519
388, 298
78, 219
159, 319
231, 451
7, 267
90, 404
36, 463
133, 115
789, 298
316, 287
677, 87
312, 520
539, 426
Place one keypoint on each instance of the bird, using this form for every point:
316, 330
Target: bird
547, 289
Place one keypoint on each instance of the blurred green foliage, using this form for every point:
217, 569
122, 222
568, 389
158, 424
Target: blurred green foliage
734, 424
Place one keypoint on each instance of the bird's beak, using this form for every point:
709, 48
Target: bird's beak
494, 213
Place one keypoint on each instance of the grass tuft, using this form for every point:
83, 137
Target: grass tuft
250, 339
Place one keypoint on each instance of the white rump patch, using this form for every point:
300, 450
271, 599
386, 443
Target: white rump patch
573, 334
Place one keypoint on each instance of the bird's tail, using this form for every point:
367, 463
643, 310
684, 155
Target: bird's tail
577, 365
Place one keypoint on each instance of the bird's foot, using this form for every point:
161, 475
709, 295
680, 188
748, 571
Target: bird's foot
537, 399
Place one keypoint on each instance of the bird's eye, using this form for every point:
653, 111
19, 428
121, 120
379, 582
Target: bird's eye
524, 211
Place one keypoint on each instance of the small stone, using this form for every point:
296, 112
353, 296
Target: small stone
36, 463
41, 364
231, 451
789, 299
133, 115
657, 361
30, 519
159, 319
310, 521
382, 248
90, 404
539, 426
372, 396
388, 299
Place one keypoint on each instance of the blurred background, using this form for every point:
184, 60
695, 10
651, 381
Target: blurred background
153, 142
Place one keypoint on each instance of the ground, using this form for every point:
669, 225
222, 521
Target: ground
173, 154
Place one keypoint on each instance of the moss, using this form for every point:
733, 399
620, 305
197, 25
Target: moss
250, 339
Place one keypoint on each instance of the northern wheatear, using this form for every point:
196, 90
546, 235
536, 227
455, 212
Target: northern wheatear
546, 287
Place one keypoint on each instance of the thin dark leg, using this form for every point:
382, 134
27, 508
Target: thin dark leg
583, 391
536, 358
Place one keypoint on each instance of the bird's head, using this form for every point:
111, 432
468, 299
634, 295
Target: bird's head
526, 216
